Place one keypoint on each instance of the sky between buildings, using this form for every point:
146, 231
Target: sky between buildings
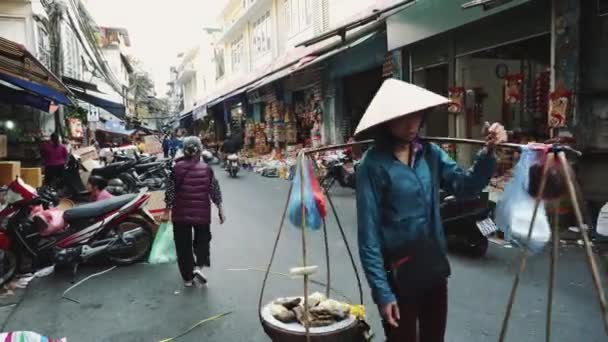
159, 29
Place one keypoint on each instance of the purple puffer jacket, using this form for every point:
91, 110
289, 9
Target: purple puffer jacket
192, 204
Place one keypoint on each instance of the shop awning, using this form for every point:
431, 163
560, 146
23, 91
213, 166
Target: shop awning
11, 95
20, 68
74, 83
115, 127
115, 108
378, 11
311, 60
419, 20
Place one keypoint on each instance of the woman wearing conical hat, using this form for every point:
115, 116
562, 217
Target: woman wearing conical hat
401, 240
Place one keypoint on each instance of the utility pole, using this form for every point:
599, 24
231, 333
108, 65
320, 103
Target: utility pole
56, 12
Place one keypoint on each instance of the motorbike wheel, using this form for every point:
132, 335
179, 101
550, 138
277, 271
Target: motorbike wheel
8, 266
143, 244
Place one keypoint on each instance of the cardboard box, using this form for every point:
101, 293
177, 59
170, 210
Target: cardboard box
32, 176
152, 145
87, 153
3, 146
9, 170
156, 204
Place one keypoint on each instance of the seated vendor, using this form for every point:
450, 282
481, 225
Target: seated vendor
97, 187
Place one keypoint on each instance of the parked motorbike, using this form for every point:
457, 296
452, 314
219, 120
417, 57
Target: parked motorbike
339, 168
233, 165
70, 184
467, 223
118, 229
135, 176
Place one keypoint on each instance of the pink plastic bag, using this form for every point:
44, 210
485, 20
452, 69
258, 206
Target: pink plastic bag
52, 219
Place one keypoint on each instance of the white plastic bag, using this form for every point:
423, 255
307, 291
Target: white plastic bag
515, 209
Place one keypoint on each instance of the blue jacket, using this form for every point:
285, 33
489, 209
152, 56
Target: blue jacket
397, 203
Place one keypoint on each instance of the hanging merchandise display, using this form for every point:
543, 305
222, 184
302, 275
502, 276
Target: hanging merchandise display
456, 96
249, 134
76, 130
558, 108
278, 125
538, 96
513, 84
261, 146
315, 132
290, 126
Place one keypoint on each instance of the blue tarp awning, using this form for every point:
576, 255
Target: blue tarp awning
115, 108
37, 89
116, 127
14, 96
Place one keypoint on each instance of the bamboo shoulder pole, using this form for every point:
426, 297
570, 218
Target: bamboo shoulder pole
304, 251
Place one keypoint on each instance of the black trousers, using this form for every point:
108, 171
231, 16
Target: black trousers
423, 318
187, 246
52, 174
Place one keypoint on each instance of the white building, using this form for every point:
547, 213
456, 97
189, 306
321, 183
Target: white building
196, 72
256, 33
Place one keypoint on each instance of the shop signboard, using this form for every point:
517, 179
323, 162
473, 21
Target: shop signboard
93, 114
199, 112
419, 20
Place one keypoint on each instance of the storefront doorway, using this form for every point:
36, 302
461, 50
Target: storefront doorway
359, 90
435, 79
509, 83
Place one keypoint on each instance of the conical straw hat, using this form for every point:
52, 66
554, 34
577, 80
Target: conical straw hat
396, 99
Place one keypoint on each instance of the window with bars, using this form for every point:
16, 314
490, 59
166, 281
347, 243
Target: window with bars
299, 15
236, 51
261, 37
44, 46
219, 63
71, 56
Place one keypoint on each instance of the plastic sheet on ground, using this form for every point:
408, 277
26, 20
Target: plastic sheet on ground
23, 280
515, 209
27, 336
163, 248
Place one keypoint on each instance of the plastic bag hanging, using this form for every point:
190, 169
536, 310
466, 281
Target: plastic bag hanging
163, 248
314, 200
515, 209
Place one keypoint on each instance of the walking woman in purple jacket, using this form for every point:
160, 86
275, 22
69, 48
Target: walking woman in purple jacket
190, 190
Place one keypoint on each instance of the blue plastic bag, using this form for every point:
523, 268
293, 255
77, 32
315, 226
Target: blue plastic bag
515, 209
163, 248
314, 200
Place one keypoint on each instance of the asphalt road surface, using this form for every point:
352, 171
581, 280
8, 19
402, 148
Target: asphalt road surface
148, 303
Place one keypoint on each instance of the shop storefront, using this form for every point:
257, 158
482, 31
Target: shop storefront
30, 96
355, 75
493, 62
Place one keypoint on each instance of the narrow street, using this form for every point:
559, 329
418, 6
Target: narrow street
148, 303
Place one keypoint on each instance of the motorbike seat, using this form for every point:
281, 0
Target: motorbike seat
98, 208
113, 169
233, 157
144, 167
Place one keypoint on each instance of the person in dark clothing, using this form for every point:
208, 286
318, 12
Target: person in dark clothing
54, 156
231, 145
166, 145
401, 241
190, 190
